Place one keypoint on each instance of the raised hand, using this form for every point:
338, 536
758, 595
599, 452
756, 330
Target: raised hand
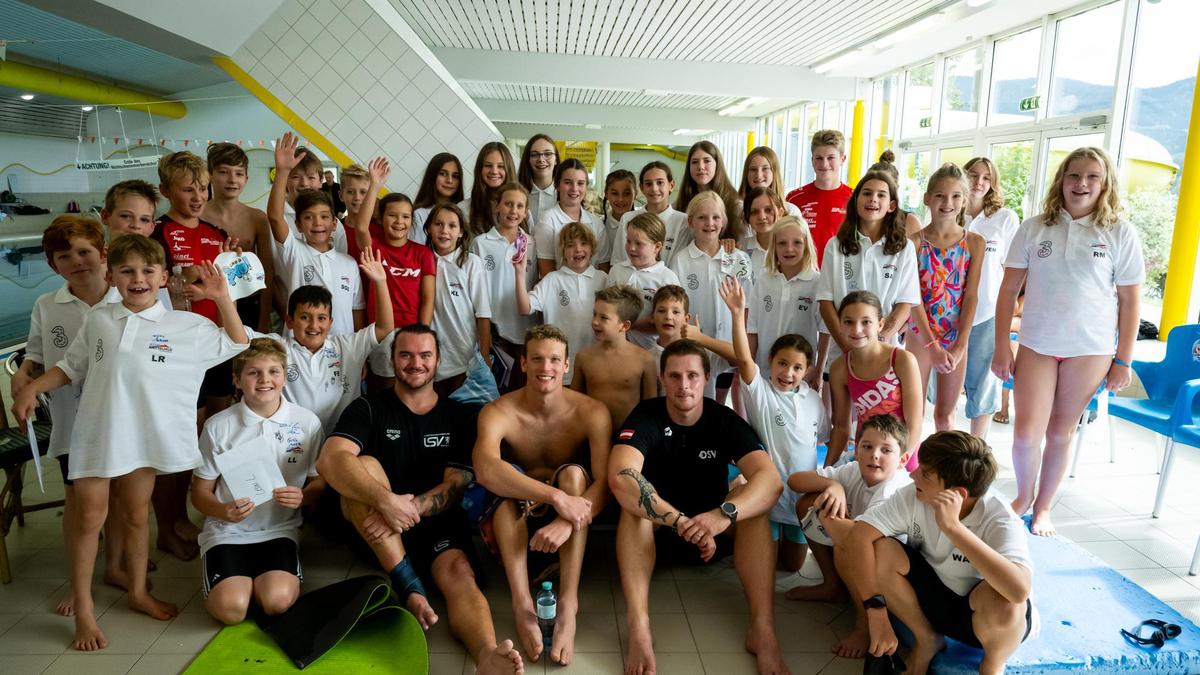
210, 283
733, 295
380, 169
371, 264
285, 153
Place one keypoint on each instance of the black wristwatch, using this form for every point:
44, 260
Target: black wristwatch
875, 602
730, 511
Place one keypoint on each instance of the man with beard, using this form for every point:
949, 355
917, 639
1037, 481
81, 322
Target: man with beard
400, 459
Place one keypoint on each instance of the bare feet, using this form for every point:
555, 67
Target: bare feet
155, 608
1020, 506
922, 654
503, 659
819, 593
1041, 525
640, 659
186, 530
854, 645
177, 546
529, 633
66, 606
562, 648
419, 606
88, 636
761, 642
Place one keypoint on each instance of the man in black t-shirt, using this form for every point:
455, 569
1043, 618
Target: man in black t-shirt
400, 460
670, 467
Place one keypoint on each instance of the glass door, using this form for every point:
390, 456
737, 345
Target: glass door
916, 165
1015, 162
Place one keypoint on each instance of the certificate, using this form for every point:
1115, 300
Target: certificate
249, 470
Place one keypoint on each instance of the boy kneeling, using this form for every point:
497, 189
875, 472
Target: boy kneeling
965, 572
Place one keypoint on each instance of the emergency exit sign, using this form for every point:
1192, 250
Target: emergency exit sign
1030, 103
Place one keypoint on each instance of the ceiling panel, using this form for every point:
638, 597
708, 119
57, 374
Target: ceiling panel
43, 116
547, 94
777, 32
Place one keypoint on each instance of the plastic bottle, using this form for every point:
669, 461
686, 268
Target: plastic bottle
176, 288
547, 610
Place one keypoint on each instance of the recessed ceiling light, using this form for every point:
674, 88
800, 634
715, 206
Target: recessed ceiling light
26, 97
88, 108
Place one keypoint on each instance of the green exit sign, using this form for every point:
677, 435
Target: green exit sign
926, 122
1030, 103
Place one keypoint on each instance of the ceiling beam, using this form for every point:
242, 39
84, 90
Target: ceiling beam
610, 116
579, 133
608, 72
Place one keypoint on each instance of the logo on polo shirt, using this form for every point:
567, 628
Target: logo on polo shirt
563, 298
992, 246
847, 270
889, 271
159, 343
780, 420
667, 431
768, 303
625, 434
293, 372
437, 440
1099, 251
392, 434
310, 273
804, 303
404, 272
456, 289
1045, 248
693, 282
344, 284
707, 454
60, 336
99, 349
489, 262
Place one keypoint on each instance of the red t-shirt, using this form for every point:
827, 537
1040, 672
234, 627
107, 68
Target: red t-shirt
823, 209
406, 266
187, 246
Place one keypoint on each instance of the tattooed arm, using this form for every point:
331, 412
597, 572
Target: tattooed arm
445, 494
633, 491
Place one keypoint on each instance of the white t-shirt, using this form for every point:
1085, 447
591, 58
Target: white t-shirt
496, 252
327, 381
141, 376
417, 231
1071, 287
337, 238
997, 231
647, 281
792, 210
780, 306
462, 296
701, 275
891, 277
675, 222
53, 325
861, 497
294, 437
303, 265
541, 200
550, 224
787, 422
992, 520
565, 299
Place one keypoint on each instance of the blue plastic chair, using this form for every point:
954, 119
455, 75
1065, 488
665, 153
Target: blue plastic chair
1189, 434
1169, 404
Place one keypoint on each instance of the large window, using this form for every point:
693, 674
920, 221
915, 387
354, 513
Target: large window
918, 100
1014, 163
1014, 77
915, 169
960, 90
959, 155
1085, 61
795, 148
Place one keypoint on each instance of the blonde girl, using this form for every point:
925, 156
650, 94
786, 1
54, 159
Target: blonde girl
705, 173
1081, 263
657, 184
761, 170
644, 270
493, 168
536, 174
620, 189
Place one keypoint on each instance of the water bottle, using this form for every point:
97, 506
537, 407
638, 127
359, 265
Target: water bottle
547, 609
177, 289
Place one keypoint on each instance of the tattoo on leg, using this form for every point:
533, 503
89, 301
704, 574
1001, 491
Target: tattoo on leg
646, 498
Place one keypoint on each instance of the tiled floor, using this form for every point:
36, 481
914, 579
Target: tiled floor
699, 614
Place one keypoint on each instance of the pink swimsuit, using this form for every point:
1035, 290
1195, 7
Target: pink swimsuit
877, 396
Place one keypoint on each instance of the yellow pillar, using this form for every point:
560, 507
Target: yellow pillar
1181, 266
749, 142
857, 131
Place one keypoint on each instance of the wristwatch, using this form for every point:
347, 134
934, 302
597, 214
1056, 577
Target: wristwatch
875, 602
730, 511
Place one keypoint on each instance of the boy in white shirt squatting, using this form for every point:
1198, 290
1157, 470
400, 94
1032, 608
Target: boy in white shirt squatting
965, 573
833, 496
134, 358
251, 552
644, 270
313, 260
565, 296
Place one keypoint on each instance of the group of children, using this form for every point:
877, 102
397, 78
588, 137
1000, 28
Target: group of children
829, 316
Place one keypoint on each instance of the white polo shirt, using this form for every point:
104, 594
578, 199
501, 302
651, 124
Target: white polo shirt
565, 299
338, 238
1071, 288
610, 237
541, 201
647, 281
997, 231
758, 257
861, 497
328, 380
417, 231
304, 265
892, 277
787, 422
141, 375
53, 325
780, 306
462, 296
992, 520
294, 438
675, 222
554, 220
701, 275
496, 252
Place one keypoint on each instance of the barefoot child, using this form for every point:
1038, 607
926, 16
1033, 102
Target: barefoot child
965, 572
614, 370
133, 357
834, 496
251, 552
643, 270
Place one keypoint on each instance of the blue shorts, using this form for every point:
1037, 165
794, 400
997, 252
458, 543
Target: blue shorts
983, 388
792, 533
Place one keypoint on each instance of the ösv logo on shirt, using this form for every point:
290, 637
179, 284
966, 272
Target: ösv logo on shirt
693, 282
392, 434
707, 454
564, 298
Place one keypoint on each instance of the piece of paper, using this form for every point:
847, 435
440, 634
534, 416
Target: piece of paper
249, 470
37, 459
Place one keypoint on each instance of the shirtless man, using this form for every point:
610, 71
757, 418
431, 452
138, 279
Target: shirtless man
227, 167
669, 468
612, 369
399, 459
559, 439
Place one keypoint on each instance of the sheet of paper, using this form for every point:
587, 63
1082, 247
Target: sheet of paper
249, 470
37, 459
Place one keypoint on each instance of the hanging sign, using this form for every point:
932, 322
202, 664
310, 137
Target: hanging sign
117, 164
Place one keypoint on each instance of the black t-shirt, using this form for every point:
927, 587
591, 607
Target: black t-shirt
413, 449
689, 466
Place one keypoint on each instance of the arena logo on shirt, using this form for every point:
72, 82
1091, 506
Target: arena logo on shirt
392, 434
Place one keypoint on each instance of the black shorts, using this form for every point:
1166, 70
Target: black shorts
948, 612
248, 560
218, 382
434, 536
64, 466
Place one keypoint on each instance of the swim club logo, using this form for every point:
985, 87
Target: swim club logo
293, 372
392, 434
768, 303
310, 273
489, 262
456, 289
99, 349
693, 282
804, 303
1045, 248
1099, 251
344, 284
992, 246
437, 440
60, 336
889, 271
160, 343
564, 298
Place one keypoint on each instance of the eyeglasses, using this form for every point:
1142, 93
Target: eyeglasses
548, 155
